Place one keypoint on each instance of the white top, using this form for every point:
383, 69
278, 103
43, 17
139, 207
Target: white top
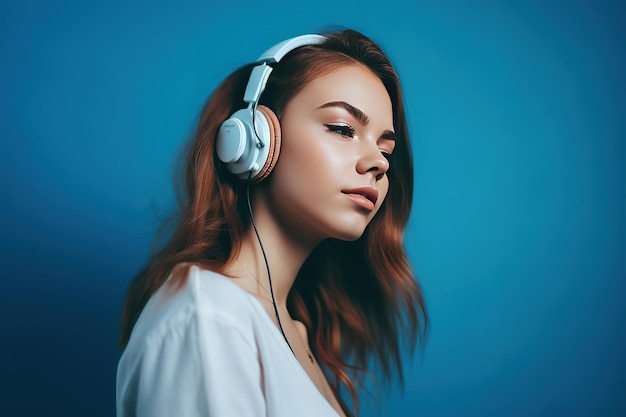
208, 350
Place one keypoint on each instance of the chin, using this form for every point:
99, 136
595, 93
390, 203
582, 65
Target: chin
349, 237
350, 230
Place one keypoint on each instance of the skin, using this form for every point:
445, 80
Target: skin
305, 199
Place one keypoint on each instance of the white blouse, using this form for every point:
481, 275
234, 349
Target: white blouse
208, 350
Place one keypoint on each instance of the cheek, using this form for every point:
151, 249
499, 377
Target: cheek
307, 154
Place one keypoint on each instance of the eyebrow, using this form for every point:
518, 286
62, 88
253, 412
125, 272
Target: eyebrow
357, 114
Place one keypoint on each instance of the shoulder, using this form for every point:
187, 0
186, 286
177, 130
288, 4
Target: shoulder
207, 302
188, 338
214, 293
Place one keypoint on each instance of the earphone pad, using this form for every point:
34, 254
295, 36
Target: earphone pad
274, 143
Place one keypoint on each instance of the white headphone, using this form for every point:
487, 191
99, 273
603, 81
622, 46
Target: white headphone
247, 151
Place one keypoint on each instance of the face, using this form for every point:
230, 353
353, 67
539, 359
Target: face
337, 133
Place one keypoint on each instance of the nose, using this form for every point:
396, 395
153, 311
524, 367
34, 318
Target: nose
372, 160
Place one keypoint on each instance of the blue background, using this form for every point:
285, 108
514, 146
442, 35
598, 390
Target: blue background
516, 111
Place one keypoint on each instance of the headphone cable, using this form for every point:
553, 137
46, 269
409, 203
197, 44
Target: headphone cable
267, 265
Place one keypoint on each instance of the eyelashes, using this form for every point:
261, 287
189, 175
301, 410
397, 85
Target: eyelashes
349, 132
343, 130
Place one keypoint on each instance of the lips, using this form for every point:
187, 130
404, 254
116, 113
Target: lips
364, 196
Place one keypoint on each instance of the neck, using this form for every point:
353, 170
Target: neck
285, 252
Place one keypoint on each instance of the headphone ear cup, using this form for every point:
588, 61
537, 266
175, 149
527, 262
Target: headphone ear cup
274, 143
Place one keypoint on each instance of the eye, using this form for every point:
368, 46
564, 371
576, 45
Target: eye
386, 154
343, 130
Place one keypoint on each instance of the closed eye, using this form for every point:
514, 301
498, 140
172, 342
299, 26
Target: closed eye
343, 130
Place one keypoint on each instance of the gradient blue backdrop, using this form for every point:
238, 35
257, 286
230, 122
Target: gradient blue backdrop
518, 233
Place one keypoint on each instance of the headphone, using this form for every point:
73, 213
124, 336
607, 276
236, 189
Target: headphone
248, 142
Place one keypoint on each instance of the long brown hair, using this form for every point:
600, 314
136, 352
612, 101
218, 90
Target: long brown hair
359, 300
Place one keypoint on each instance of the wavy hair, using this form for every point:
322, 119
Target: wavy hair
359, 300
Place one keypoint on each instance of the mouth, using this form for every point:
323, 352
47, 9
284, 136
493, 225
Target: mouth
366, 196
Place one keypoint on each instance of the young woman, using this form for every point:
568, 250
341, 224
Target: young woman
286, 273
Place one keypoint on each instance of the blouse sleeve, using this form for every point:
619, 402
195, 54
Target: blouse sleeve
202, 366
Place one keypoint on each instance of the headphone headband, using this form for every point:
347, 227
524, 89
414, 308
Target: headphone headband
278, 51
261, 73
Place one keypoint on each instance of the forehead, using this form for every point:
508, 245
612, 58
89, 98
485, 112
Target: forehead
354, 84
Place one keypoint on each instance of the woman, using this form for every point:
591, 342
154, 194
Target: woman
286, 273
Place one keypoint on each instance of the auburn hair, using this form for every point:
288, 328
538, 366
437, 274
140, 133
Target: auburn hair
359, 300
